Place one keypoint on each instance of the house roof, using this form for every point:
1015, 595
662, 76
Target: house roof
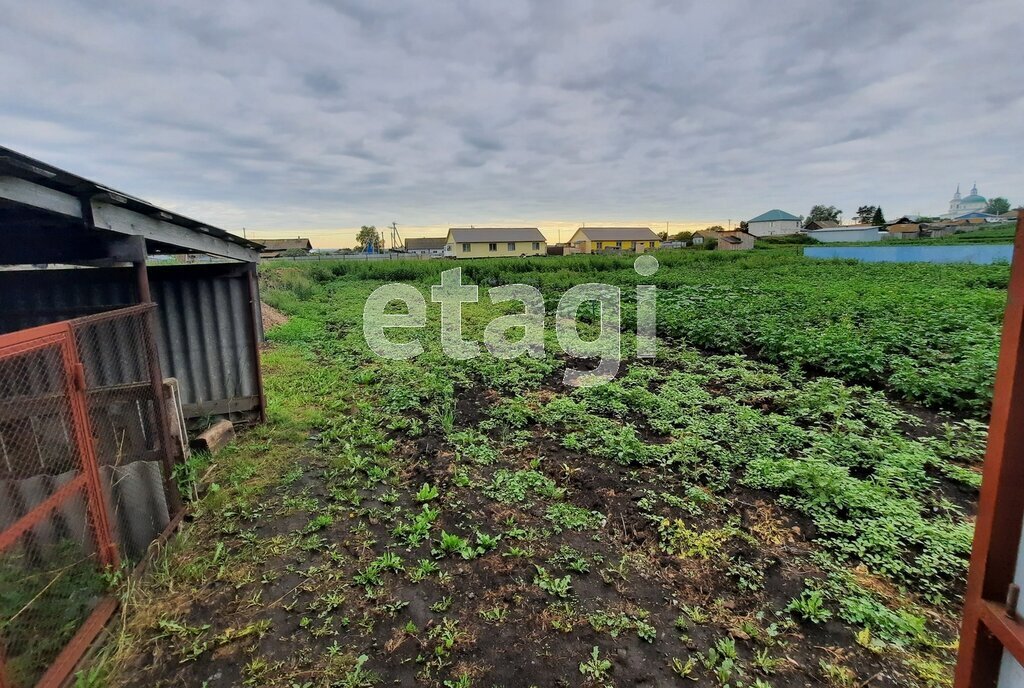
618, 233
425, 243
470, 235
904, 229
845, 228
968, 216
823, 224
774, 215
286, 244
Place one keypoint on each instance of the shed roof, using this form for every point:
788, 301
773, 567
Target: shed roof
618, 233
425, 243
470, 235
59, 214
287, 244
774, 215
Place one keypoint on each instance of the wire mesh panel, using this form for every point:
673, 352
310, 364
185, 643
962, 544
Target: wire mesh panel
54, 548
114, 349
85, 482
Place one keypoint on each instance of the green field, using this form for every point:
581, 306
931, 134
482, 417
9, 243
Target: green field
783, 496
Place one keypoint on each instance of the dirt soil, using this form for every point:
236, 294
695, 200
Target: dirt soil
485, 618
271, 316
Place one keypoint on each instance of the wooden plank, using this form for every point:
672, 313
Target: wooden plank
215, 438
25, 192
124, 221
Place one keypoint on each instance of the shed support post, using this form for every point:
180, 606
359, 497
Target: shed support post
254, 331
157, 383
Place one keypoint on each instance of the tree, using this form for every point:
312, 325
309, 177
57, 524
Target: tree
368, 236
823, 213
865, 213
714, 228
997, 206
663, 236
877, 218
682, 236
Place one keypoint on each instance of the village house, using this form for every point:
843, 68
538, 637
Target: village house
821, 224
699, 238
429, 247
494, 242
612, 239
773, 223
275, 248
904, 231
735, 241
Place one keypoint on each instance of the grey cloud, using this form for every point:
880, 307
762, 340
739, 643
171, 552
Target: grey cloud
330, 111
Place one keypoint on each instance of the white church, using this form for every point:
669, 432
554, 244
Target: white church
972, 203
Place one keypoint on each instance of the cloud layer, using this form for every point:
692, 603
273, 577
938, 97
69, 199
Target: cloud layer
334, 113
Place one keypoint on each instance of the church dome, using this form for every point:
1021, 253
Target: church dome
974, 198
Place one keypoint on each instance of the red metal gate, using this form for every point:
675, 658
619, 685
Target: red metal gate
55, 546
86, 483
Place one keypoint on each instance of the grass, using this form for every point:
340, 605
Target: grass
783, 495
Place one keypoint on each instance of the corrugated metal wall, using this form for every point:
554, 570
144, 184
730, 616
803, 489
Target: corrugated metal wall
205, 318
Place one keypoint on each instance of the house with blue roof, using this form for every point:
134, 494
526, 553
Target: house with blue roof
773, 223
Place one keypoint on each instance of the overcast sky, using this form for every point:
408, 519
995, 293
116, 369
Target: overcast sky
315, 117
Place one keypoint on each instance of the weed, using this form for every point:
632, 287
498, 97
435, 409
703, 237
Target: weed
595, 668
558, 587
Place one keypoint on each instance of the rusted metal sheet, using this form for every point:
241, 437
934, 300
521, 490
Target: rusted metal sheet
207, 330
992, 632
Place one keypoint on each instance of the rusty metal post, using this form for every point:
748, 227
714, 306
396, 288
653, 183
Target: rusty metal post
987, 629
256, 311
157, 383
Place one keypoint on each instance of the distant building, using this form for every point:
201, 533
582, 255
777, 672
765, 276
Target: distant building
495, 242
821, 224
773, 223
905, 231
561, 250
839, 233
275, 248
735, 241
611, 239
983, 217
703, 236
972, 203
426, 246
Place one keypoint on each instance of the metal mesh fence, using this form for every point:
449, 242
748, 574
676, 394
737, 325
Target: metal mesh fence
83, 481
51, 564
123, 414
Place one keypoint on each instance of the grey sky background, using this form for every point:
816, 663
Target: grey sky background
315, 117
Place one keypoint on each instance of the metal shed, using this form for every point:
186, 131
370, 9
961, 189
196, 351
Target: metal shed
90, 328
208, 322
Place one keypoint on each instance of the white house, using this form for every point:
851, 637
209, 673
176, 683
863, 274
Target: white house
830, 235
426, 246
773, 223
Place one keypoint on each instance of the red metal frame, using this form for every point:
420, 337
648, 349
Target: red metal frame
989, 625
19, 343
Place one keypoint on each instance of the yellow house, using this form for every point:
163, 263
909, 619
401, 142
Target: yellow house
495, 242
613, 239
